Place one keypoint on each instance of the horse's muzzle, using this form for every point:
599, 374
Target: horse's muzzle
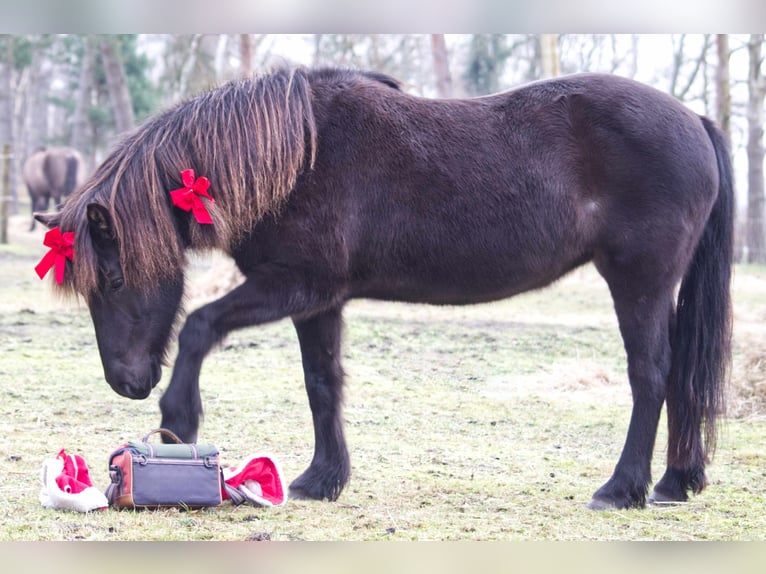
133, 383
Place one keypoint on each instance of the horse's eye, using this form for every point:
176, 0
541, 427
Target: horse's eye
116, 284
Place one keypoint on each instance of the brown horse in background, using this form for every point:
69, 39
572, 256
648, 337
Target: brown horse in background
52, 173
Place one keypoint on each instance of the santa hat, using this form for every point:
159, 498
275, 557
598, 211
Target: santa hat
67, 485
258, 479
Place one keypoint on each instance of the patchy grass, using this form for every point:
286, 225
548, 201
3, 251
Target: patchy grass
494, 422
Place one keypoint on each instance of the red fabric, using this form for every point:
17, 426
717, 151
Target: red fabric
74, 478
61, 248
263, 471
188, 197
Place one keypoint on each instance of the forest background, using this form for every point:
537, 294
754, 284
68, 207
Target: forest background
86, 90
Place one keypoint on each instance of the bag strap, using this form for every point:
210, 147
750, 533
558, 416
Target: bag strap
166, 432
235, 495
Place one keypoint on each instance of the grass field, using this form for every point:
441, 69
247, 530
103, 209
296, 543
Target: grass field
494, 422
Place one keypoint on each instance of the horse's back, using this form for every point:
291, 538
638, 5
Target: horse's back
33, 172
458, 201
491, 196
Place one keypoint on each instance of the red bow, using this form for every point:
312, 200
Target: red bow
188, 197
61, 249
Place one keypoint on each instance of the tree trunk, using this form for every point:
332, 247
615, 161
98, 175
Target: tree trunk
441, 66
549, 55
80, 121
6, 130
33, 122
756, 230
6, 92
723, 117
119, 95
722, 84
246, 54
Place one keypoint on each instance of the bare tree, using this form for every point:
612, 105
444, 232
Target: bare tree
756, 227
119, 95
246, 54
6, 130
32, 113
441, 65
6, 91
549, 55
488, 54
405, 56
685, 71
722, 83
80, 123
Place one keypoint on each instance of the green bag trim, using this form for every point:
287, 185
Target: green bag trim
179, 451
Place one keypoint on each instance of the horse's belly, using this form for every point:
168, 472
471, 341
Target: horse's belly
450, 286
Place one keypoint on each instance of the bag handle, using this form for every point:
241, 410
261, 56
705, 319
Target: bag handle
166, 432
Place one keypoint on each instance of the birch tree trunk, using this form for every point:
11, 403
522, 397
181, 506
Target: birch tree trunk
756, 228
722, 83
119, 95
549, 55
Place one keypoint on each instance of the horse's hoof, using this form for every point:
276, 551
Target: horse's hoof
601, 504
296, 494
660, 500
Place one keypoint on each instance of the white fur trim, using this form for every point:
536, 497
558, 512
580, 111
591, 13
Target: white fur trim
51, 496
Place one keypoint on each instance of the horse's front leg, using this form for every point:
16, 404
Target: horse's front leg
181, 404
267, 295
320, 341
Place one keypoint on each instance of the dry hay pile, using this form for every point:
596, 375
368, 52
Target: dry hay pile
747, 391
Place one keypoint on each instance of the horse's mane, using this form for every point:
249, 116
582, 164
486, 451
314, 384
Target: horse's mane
251, 138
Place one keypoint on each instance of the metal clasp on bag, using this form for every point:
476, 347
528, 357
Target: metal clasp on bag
115, 474
210, 462
141, 459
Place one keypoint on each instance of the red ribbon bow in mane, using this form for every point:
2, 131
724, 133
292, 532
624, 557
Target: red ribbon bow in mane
61, 248
188, 197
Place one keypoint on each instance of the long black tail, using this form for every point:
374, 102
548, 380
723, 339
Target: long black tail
702, 334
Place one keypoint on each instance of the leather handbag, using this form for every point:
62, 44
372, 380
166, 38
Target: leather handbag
146, 475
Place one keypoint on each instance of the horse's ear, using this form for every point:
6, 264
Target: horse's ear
100, 222
49, 220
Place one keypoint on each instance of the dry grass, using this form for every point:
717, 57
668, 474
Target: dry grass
747, 396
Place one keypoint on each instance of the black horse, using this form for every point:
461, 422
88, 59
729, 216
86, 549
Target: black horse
330, 185
52, 173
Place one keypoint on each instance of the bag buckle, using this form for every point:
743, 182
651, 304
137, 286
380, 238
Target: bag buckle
115, 474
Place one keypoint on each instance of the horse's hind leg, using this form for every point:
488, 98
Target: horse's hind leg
686, 457
38, 203
320, 342
644, 319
